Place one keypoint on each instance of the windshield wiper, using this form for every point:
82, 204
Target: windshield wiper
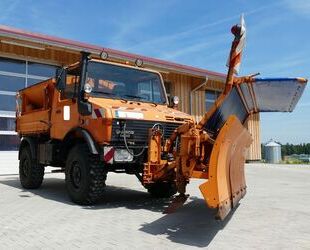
108, 93
141, 98
135, 96
102, 92
154, 103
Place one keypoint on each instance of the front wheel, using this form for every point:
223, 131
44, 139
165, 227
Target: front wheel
85, 176
30, 172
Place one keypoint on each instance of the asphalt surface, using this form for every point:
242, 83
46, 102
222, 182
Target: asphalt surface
275, 214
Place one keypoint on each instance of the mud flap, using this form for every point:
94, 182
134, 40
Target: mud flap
226, 184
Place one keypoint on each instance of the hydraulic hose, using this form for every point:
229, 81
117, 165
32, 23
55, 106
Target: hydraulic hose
126, 145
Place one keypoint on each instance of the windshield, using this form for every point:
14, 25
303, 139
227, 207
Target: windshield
125, 83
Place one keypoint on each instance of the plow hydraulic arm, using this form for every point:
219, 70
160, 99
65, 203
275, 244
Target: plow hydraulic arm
215, 148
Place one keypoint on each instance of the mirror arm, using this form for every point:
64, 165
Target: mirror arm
84, 63
84, 107
61, 78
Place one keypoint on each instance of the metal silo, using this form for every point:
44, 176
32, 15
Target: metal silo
273, 152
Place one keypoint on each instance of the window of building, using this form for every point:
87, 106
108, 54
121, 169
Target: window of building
7, 124
12, 65
16, 74
7, 103
210, 98
40, 69
11, 83
32, 81
9, 142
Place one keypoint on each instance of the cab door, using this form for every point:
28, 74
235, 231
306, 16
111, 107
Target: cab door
65, 114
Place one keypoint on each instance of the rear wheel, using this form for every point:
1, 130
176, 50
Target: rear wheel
162, 189
85, 176
30, 172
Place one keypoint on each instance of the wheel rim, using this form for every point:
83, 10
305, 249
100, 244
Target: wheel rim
25, 167
76, 175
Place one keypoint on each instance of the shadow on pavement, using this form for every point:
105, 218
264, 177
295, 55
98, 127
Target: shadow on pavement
54, 189
192, 225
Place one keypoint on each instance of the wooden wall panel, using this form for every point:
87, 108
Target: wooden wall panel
198, 104
49, 54
215, 85
253, 125
181, 87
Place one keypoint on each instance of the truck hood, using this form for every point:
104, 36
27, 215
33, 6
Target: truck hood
113, 108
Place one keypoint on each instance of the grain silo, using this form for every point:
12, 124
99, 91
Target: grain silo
273, 152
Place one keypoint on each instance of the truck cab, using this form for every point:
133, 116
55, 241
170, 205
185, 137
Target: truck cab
116, 105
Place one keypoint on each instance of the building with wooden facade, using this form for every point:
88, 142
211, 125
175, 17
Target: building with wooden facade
27, 58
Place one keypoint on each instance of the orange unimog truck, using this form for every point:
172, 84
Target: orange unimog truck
97, 116
92, 118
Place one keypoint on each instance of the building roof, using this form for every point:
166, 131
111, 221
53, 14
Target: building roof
95, 49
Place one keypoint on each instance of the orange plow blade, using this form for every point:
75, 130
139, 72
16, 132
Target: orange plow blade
226, 184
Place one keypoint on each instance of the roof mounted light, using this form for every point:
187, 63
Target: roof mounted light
139, 62
104, 55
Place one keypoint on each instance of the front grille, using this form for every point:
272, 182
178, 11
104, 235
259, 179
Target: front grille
137, 131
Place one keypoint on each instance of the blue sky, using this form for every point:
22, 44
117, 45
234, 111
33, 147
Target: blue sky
193, 32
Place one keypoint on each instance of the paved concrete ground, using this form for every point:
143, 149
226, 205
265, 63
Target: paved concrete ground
275, 214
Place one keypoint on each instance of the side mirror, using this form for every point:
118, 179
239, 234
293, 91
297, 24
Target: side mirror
61, 79
84, 108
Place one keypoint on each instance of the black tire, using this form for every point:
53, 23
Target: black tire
162, 189
85, 176
30, 172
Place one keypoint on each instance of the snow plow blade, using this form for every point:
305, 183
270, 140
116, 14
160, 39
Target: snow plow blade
226, 184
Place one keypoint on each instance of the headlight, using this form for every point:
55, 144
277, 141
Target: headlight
175, 100
88, 88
